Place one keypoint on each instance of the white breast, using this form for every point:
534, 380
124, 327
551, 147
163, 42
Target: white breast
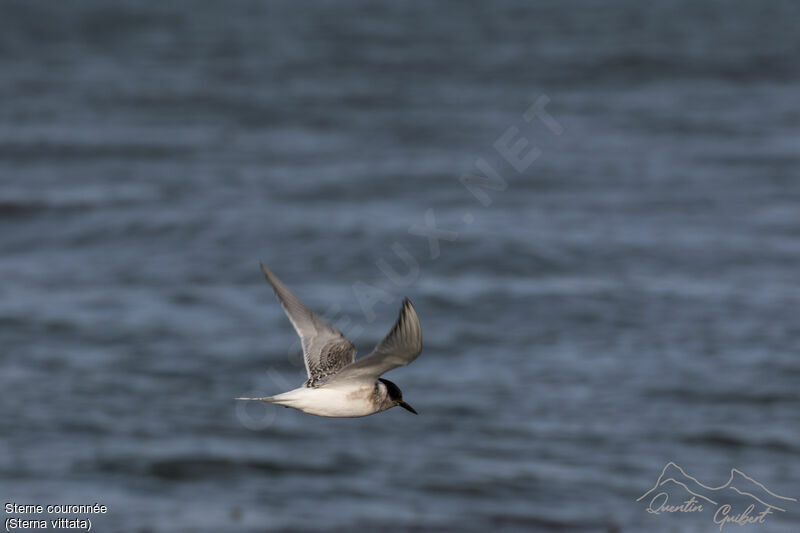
331, 402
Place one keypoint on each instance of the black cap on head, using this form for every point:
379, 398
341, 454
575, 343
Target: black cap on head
396, 395
392, 389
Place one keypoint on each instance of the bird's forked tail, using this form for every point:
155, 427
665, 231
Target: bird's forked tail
267, 399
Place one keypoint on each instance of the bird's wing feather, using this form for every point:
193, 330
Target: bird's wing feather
325, 349
401, 346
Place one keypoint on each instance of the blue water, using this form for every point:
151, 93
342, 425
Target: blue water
628, 299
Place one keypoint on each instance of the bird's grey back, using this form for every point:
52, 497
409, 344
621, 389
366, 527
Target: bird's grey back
332, 357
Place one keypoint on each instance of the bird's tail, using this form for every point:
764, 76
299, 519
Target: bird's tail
268, 399
287, 399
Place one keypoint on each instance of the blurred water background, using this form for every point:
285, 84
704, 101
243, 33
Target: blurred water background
629, 299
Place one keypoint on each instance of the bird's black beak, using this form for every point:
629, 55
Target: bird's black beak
404, 405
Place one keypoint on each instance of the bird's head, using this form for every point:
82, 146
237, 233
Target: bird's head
394, 396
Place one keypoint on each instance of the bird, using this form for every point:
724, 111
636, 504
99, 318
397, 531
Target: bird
338, 386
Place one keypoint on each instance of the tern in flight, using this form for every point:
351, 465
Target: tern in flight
338, 385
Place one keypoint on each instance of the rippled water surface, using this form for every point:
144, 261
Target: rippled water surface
627, 299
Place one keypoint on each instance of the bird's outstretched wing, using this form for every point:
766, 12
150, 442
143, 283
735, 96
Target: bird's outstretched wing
401, 346
325, 349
